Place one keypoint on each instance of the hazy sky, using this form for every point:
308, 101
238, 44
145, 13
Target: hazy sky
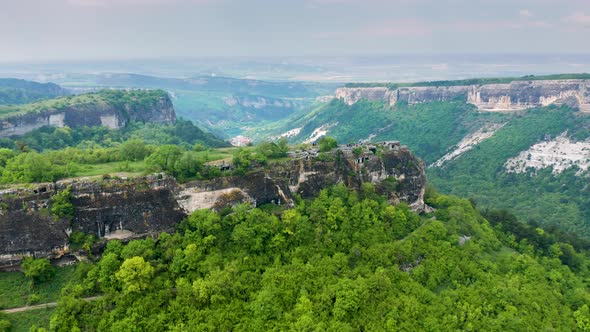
95, 29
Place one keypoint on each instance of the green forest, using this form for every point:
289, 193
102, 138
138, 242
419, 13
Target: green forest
511, 256
16, 92
114, 98
538, 197
49, 153
431, 130
344, 261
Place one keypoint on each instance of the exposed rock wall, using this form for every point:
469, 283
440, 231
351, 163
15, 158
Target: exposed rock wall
94, 114
138, 206
351, 96
514, 96
306, 175
521, 95
116, 208
560, 153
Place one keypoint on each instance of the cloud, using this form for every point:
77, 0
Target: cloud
579, 18
402, 27
119, 3
525, 13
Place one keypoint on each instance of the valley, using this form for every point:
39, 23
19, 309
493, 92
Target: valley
102, 180
307, 166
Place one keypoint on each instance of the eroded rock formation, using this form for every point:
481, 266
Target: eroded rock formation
123, 208
158, 110
514, 96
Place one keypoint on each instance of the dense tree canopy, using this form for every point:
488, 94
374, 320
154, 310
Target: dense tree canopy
345, 261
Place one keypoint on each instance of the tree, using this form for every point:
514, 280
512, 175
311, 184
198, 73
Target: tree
135, 274
61, 204
28, 167
38, 270
327, 144
164, 158
5, 155
134, 150
5, 324
582, 317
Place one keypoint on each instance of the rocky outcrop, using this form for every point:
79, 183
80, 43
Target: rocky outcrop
409, 95
514, 96
393, 169
137, 206
124, 208
519, 95
351, 96
111, 115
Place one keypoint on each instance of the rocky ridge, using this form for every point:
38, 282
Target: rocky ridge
127, 208
513, 96
111, 115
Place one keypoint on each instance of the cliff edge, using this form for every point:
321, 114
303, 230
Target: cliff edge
109, 108
127, 208
513, 96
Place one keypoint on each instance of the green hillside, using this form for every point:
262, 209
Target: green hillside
428, 129
115, 98
433, 129
223, 105
537, 197
345, 261
15, 91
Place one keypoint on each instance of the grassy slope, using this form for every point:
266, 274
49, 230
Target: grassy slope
545, 198
433, 129
428, 129
23, 321
16, 288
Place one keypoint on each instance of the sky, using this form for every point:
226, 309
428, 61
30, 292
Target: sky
39, 30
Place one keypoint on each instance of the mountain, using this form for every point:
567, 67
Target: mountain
224, 105
109, 108
520, 144
130, 208
344, 261
338, 248
16, 91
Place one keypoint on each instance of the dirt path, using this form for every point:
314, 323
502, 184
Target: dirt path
42, 306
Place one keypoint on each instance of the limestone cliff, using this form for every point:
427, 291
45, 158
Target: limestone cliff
126, 208
519, 95
113, 112
514, 96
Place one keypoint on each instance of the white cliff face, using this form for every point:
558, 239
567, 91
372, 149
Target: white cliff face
291, 133
110, 121
514, 96
468, 143
520, 95
192, 199
351, 96
319, 132
560, 153
57, 120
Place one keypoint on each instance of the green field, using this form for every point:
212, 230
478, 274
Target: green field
23, 321
17, 290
